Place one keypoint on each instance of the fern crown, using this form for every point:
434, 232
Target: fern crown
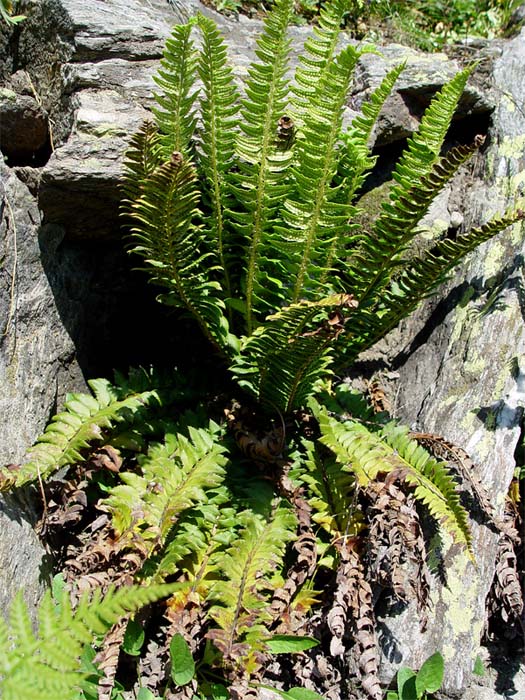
243, 209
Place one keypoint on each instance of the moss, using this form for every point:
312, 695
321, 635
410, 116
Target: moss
6, 94
461, 315
493, 259
475, 365
512, 147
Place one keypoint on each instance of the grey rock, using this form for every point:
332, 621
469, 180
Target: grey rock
36, 353
24, 566
422, 77
23, 127
36, 366
464, 377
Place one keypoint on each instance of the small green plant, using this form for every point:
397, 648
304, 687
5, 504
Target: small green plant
420, 685
266, 492
6, 11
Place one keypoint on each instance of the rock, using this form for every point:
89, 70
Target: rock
24, 565
37, 362
23, 128
36, 367
463, 376
423, 76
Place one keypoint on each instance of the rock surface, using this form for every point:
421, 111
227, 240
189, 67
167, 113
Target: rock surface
70, 304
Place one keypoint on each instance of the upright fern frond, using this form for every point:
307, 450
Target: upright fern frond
219, 108
85, 419
142, 157
200, 533
47, 665
172, 245
319, 51
259, 187
314, 217
177, 76
239, 601
371, 268
355, 159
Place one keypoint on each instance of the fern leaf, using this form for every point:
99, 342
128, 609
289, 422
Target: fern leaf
319, 51
219, 107
372, 267
316, 222
420, 279
367, 454
175, 475
47, 665
259, 186
355, 160
142, 157
177, 76
238, 602
331, 492
173, 247
85, 419
200, 532
282, 360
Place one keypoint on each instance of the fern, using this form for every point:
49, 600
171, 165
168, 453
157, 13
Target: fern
47, 665
368, 454
281, 361
332, 492
243, 211
355, 159
419, 279
250, 564
371, 268
219, 108
260, 187
176, 77
175, 259
85, 419
313, 215
174, 475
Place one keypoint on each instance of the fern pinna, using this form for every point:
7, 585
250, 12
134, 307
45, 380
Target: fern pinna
272, 502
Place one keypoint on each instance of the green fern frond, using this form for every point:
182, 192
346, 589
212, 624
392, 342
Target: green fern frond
173, 246
315, 221
282, 360
319, 51
259, 187
368, 454
420, 279
331, 490
174, 475
219, 108
371, 268
46, 665
432, 481
142, 157
177, 77
200, 532
250, 573
355, 159
85, 419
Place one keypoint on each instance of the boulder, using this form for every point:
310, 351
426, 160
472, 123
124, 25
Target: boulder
462, 375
